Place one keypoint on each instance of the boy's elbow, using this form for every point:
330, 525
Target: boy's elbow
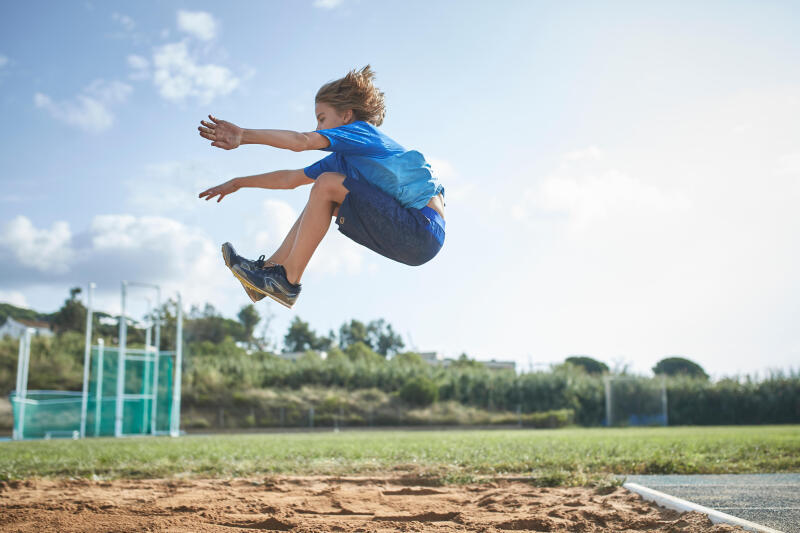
301, 144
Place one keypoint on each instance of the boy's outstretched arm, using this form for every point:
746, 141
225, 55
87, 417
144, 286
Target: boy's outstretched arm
279, 179
228, 136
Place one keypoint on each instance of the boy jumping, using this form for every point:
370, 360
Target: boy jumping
383, 196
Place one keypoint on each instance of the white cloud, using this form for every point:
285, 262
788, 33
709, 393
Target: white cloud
127, 22
153, 249
117, 247
268, 230
590, 153
3, 60
677, 241
179, 76
198, 24
788, 164
42, 249
90, 110
442, 168
585, 190
327, 4
13, 298
140, 67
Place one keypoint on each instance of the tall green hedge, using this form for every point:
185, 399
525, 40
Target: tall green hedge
214, 372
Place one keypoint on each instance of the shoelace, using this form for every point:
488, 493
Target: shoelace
260, 262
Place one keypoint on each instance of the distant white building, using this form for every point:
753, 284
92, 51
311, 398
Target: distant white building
436, 359
294, 356
432, 358
15, 328
500, 365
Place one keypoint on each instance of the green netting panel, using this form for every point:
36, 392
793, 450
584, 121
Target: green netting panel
636, 402
47, 414
138, 390
58, 413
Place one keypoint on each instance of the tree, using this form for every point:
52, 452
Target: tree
209, 325
72, 315
378, 335
301, 337
360, 352
676, 366
352, 333
249, 318
464, 361
591, 366
383, 338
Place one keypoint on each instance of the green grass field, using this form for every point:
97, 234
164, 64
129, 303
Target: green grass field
547, 457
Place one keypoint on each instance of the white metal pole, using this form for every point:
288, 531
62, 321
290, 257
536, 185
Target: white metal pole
175, 425
87, 358
154, 405
98, 408
148, 337
123, 331
607, 381
18, 388
148, 332
158, 318
26, 358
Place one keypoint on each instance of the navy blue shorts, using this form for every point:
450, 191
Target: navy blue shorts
374, 219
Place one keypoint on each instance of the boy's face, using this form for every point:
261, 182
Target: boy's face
328, 117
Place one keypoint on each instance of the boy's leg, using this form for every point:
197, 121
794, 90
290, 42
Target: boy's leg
282, 252
326, 195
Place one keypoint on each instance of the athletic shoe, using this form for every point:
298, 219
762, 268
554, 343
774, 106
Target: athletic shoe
270, 281
232, 258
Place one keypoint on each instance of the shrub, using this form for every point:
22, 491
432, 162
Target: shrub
421, 391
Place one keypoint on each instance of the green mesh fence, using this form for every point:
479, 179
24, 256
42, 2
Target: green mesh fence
635, 401
50, 414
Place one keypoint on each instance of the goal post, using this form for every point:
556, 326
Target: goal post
635, 401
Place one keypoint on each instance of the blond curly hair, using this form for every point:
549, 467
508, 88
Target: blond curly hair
355, 91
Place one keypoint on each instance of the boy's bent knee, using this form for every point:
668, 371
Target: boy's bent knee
330, 185
329, 178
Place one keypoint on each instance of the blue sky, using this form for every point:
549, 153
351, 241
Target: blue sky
622, 177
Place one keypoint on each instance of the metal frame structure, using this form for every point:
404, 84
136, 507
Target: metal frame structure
150, 354
123, 357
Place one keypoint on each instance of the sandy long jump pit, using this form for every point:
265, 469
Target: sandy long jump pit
325, 504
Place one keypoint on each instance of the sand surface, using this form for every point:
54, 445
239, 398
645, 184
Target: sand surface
324, 504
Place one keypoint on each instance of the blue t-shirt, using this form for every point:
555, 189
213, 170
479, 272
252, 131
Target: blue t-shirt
362, 152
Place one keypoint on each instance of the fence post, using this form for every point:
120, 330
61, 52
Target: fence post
175, 428
607, 382
26, 364
123, 331
87, 359
99, 392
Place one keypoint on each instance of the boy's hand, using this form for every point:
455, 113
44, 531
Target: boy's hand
223, 190
225, 135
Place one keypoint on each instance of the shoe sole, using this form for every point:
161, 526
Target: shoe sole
255, 296
249, 285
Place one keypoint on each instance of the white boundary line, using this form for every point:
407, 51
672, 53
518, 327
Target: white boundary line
677, 504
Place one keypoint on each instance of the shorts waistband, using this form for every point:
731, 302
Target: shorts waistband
435, 218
